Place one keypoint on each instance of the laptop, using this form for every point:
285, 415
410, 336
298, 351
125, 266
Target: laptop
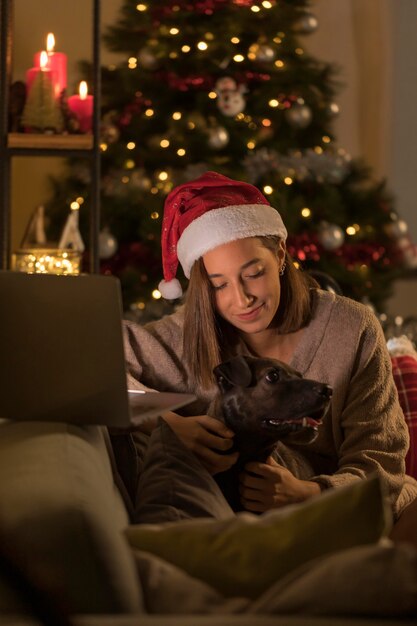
61, 353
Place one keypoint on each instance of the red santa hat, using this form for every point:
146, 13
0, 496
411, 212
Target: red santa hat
208, 212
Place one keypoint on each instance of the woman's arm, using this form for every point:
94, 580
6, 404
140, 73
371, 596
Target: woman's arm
154, 361
208, 438
372, 434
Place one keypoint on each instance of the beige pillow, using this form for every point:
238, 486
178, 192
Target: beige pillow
245, 554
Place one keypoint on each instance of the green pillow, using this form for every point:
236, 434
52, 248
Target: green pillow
244, 555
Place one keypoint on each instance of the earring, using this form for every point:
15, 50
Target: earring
282, 270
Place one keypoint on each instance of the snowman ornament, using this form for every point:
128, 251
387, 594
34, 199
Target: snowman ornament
230, 96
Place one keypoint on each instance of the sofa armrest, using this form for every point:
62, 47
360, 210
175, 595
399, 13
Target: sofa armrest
63, 517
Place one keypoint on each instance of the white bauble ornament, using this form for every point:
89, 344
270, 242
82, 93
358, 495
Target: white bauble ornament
107, 244
307, 24
331, 236
299, 115
218, 137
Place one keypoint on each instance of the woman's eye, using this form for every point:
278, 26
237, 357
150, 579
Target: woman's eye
219, 287
272, 376
256, 274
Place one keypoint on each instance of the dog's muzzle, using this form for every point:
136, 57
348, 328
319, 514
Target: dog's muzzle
307, 422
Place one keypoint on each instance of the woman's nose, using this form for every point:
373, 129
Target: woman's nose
242, 296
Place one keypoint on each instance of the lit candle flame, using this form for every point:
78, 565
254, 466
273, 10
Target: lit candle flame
50, 42
83, 90
43, 60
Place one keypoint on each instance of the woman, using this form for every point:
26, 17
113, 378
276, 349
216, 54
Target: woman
246, 296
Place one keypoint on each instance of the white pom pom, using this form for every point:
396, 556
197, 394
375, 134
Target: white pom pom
170, 290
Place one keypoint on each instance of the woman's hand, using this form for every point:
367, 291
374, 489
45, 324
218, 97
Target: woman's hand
207, 438
265, 486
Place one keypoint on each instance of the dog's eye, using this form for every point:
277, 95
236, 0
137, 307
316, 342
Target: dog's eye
272, 376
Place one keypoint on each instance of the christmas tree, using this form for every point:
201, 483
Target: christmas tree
228, 85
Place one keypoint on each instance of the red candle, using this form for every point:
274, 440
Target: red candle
57, 62
34, 71
82, 107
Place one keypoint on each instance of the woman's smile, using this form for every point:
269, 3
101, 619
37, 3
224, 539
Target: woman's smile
251, 315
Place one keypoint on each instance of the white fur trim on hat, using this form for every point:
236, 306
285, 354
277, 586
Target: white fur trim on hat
220, 226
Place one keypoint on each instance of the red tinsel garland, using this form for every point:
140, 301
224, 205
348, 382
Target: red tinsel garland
306, 247
205, 7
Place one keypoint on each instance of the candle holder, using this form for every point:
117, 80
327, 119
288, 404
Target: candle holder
47, 261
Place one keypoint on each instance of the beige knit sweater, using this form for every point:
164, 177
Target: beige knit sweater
343, 346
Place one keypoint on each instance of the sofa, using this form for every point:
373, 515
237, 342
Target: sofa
70, 552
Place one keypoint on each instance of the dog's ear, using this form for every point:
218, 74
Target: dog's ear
235, 372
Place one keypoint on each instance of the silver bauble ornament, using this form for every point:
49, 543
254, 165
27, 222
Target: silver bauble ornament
107, 244
139, 180
331, 236
147, 58
109, 133
218, 137
408, 252
307, 24
409, 329
299, 115
396, 229
333, 109
261, 52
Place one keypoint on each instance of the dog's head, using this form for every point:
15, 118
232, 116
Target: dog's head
264, 401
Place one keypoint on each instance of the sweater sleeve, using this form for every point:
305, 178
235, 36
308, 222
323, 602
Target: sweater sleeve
373, 435
153, 355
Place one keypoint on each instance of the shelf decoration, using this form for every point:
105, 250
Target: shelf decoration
35, 230
35, 256
81, 106
33, 73
71, 236
41, 112
57, 63
47, 261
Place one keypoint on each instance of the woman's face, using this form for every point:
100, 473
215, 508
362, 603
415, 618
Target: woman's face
245, 278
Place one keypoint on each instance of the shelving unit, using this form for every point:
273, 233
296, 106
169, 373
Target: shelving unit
21, 144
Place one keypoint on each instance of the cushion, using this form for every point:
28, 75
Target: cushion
225, 552
63, 518
378, 580
404, 369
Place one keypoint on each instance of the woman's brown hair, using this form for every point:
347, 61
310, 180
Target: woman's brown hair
208, 338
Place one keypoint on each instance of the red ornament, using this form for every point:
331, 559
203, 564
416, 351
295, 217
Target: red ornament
303, 247
185, 83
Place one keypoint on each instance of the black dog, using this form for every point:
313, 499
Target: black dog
264, 401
